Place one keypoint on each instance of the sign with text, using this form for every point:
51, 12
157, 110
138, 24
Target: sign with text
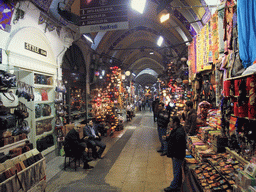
103, 15
35, 49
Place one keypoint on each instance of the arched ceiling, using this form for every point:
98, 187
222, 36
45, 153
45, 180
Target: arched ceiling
132, 47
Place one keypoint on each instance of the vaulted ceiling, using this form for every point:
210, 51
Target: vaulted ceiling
132, 47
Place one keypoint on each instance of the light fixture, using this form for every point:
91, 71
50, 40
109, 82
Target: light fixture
134, 74
123, 77
88, 37
164, 17
127, 73
151, 52
138, 5
103, 72
160, 41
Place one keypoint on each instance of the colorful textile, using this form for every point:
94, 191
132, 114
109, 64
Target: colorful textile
246, 20
6, 12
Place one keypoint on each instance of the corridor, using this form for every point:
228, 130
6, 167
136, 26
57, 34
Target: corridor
130, 163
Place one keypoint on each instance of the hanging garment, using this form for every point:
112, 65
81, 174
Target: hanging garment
246, 20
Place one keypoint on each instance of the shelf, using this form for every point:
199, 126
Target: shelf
238, 157
77, 113
239, 77
38, 86
44, 134
242, 117
43, 102
48, 150
13, 145
43, 118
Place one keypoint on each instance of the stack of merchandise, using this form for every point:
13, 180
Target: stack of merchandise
214, 118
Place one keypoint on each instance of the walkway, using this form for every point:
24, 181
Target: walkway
130, 163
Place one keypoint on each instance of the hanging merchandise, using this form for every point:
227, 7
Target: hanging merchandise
9, 99
246, 29
21, 112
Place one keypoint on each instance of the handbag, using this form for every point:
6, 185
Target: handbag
9, 99
38, 111
21, 112
46, 110
7, 79
7, 121
44, 95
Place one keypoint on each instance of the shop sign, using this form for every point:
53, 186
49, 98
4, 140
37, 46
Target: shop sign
103, 15
35, 49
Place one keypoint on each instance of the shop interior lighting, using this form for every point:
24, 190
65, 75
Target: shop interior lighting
160, 41
103, 72
138, 5
134, 74
87, 37
151, 53
164, 17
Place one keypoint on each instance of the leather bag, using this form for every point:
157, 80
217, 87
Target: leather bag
9, 99
7, 121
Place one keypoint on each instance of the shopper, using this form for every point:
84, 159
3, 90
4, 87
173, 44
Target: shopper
155, 104
176, 150
93, 136
163, 119
190, 119
129, 112
76, 147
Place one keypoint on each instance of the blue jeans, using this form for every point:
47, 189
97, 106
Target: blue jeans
177, 173
161, 133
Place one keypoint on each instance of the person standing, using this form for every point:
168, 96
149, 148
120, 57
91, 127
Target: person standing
94, 139
176, 149
190, 119
155, 104
163, 119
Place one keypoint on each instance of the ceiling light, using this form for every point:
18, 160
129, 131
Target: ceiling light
160, 41
151, 53
88, 37
164, 17
138, 5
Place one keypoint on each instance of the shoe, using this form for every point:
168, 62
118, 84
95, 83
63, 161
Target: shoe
160, 151
87, 167
168, 189
163, 154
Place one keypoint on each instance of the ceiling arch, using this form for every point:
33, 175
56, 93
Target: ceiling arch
132, 47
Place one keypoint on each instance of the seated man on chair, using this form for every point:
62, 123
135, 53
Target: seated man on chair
76, 147
93, 137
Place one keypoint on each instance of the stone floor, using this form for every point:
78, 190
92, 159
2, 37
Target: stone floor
130, 163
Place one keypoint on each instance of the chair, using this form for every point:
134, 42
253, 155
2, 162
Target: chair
72, 158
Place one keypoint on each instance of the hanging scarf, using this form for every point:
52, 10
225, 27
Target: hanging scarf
246, 19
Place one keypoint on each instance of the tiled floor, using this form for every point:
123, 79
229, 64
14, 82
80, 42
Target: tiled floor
138, 167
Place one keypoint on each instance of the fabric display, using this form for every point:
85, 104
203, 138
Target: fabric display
251, 89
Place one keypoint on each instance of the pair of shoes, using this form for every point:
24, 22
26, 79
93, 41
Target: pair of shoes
87, 167
168, 189
160, 151
163, 154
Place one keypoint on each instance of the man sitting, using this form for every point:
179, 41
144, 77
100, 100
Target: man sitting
93, 137
76, 147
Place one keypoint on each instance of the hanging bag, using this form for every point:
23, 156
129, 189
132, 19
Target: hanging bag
9, 99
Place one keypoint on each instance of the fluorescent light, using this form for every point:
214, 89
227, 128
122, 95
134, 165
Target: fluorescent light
133, 74
151, 53
138, 5
164, 17
88, 38
160, 41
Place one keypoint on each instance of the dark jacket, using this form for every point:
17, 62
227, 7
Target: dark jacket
163, 118
73, 144
155, 104
190, 122
176, 143
88, 132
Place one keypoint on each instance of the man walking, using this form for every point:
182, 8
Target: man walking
177, 151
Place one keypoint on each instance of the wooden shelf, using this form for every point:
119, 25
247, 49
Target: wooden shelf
48, 150
8, 147
238, 157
